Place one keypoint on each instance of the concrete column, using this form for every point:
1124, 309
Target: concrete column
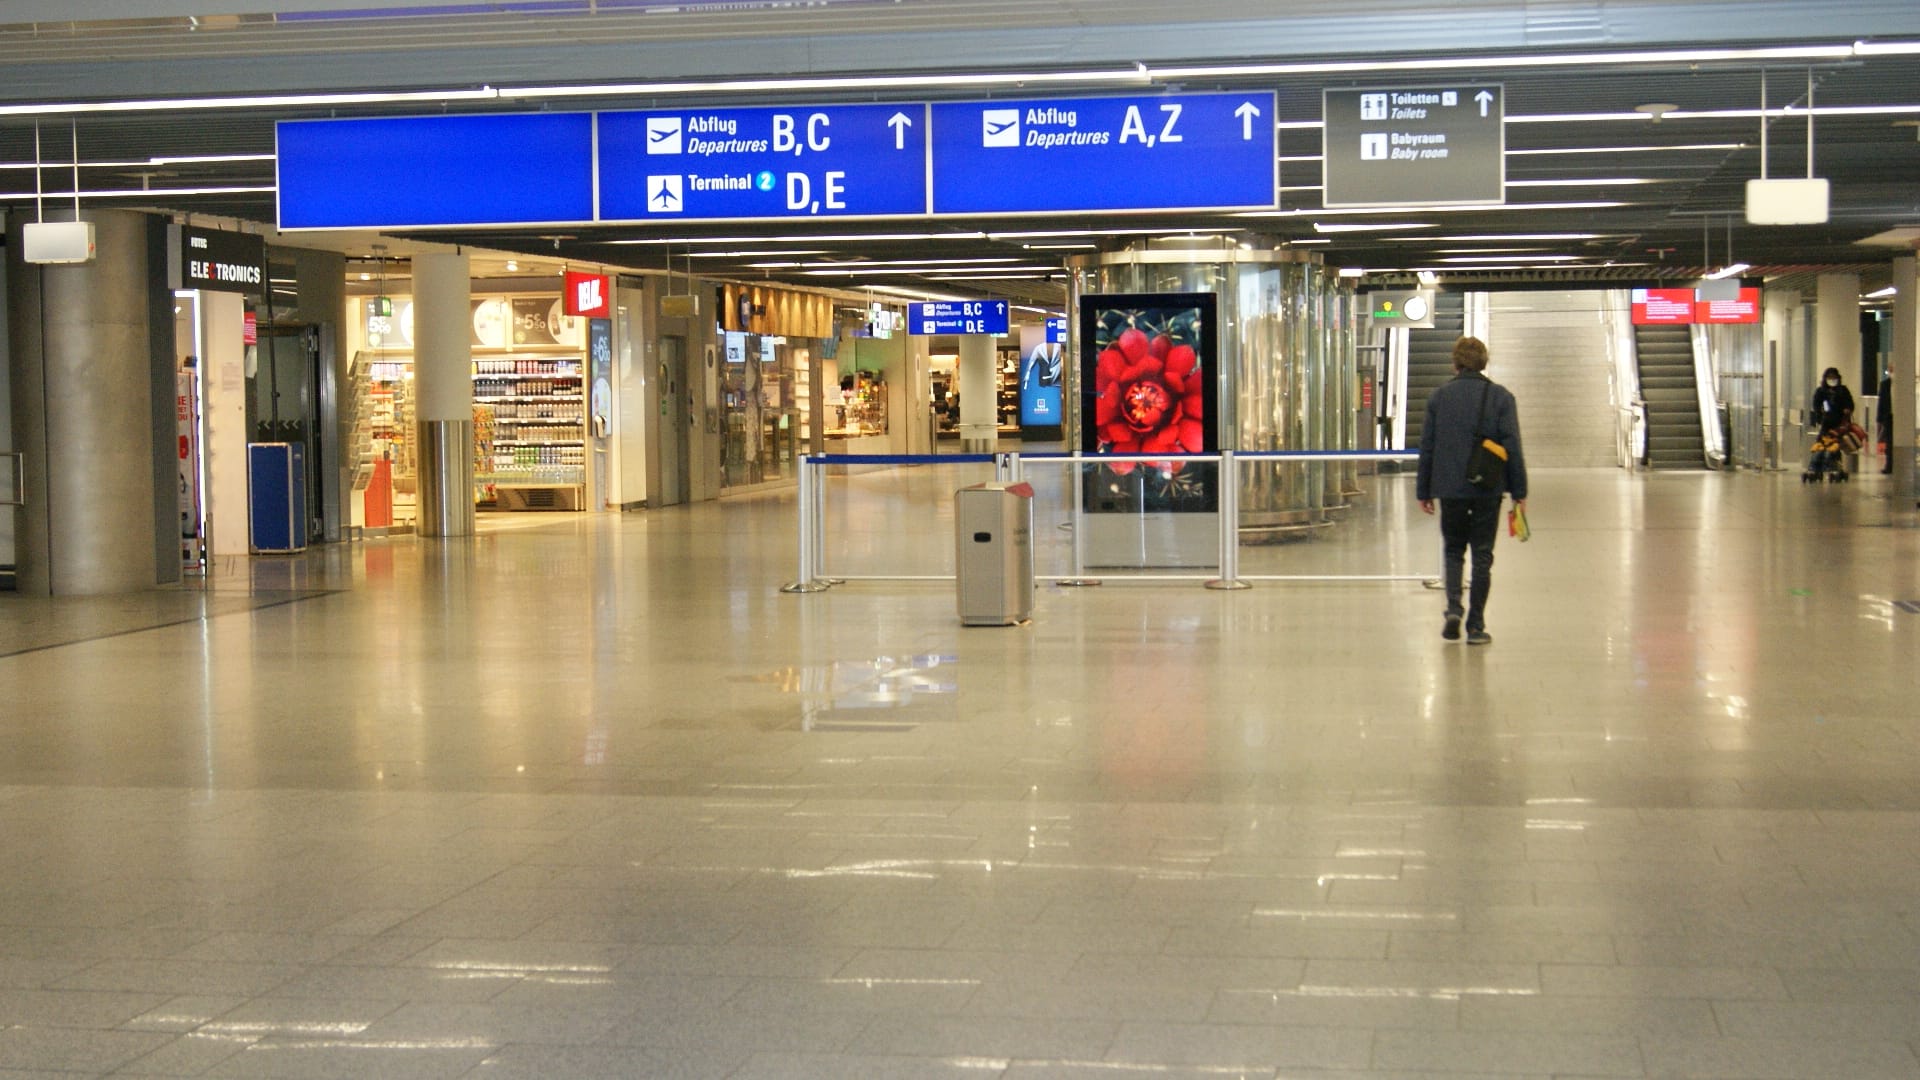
82, 387
1837, 330
443, 392
979, 395
1906, 348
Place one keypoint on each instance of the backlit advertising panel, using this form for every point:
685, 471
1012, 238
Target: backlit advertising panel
1743, 309
1662, 307
1149, 385
1040, 368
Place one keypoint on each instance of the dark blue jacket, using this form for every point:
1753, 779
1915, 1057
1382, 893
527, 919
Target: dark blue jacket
1447, 438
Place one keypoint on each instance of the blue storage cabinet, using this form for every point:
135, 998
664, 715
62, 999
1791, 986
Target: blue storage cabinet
276, 497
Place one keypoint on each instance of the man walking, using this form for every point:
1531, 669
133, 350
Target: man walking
1464, 411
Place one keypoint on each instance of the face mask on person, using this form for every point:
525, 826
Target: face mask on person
1833, 382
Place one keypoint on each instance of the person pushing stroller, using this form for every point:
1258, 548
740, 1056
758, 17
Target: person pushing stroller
1832, 413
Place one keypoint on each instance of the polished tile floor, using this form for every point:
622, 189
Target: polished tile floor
589, 797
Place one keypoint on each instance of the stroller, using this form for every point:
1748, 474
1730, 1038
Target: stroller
1826, 460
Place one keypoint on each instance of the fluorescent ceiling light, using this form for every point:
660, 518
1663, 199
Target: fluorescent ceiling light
1472, 208
876, 263
1352, 271
909, 271
914, 294
1061, 247
1040, 274
1626, 149
1729, 271
1134, 75
207, 159
1465, 238
1308, 240
1041, 233
1477, 251
842, 238
751, 254
1511, 258
1886, 48
1368, 226
268, 101
1881, 294
1589, 181
1480, 63
140, 193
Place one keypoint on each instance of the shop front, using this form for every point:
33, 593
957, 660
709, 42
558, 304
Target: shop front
544, 401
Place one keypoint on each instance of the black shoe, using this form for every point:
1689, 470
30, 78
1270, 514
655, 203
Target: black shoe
1479, 637
1451, 631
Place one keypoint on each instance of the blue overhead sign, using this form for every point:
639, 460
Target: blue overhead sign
1057, 331
806, 161
1164, 152
958, 317
390, 172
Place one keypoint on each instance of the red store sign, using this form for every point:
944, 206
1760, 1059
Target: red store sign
589, 295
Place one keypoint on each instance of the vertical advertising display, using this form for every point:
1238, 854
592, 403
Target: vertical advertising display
1149, 386
1040, 367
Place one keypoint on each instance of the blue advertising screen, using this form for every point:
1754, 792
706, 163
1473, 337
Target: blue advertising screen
1040, 369
1165, 152
494, 169
800, 162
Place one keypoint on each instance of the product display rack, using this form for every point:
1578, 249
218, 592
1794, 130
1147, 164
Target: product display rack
530, 438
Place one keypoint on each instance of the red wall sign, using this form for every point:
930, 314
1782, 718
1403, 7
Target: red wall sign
1658, 307
590, 295
1746, 309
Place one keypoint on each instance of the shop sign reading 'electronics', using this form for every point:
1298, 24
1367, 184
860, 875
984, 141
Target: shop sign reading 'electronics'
1213, 151
215, 261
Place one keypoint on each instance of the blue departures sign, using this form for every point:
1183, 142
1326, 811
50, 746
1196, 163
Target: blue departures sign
1167, 152
957, 317
800, 162
494, 169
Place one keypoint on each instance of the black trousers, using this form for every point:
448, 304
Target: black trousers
1464, 524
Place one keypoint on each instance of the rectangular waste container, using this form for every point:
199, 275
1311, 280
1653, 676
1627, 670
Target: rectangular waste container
993, 567
277, 497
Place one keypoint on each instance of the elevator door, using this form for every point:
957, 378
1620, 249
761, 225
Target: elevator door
284, 404
676, 417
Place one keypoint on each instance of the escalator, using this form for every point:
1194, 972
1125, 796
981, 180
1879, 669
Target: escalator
1674, 439
1430, 358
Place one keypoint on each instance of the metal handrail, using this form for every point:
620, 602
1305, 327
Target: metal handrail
813, 575
19, 478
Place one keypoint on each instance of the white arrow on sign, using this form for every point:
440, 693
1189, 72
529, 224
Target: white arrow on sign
1246, 112
899, 122
1485, 98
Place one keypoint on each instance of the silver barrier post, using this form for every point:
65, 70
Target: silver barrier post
1075, 481
806, 582
1229, 504
820, 528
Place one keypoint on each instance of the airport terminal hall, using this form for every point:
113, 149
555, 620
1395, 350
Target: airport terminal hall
960, 539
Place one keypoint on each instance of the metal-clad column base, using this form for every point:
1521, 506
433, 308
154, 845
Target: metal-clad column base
445, 478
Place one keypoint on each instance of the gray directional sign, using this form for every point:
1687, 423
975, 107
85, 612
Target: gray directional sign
1414, 145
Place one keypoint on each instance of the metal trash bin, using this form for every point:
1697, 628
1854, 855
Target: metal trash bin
993, 565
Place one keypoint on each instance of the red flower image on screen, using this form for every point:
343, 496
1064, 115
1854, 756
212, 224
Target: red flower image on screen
1148, 386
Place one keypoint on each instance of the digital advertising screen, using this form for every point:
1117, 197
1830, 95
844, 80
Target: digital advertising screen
1040, 369
1743, 308
1149, 385
1662, 307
